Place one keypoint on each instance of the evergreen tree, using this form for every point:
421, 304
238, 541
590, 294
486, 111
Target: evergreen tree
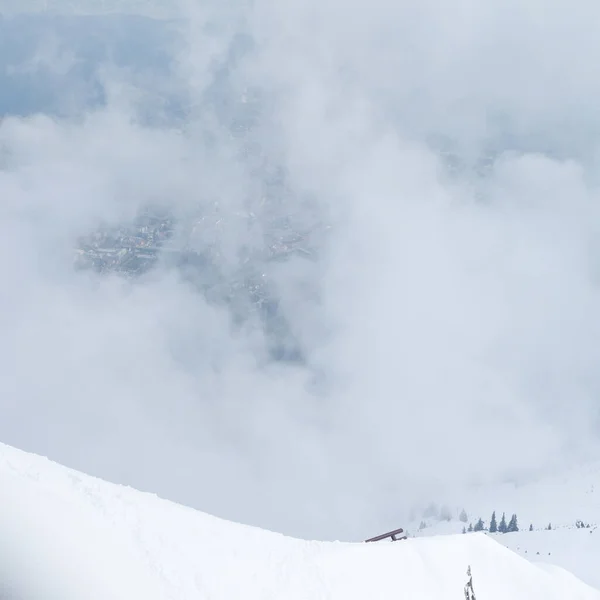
502, 527
531, 527
464, 530
463, 516
479, 526
493, 524
469, 591
512, 524
549, 526
470, 527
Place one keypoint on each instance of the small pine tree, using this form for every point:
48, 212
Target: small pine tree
502, 527
479, 526
469, 591
549, 528
513, 524
531, 527
493, 524
463, 516
464, 530
470, 529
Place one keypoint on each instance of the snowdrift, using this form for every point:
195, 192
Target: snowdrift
67, 535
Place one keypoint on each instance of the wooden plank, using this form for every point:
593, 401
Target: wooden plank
390, 534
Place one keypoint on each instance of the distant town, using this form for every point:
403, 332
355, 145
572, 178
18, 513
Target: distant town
135, 248
132, 250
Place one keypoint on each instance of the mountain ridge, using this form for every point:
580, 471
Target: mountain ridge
95, 539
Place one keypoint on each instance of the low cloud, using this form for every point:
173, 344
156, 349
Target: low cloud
441, 166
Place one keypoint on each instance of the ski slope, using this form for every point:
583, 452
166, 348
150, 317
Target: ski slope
559, 499
64, 534
577, 550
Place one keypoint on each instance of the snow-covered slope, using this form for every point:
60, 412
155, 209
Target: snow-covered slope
560, 499
66, 535
577, 550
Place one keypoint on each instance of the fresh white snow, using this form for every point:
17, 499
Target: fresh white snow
64, 534
560, 499
576, 550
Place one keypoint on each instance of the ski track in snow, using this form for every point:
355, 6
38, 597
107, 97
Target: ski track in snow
85, 538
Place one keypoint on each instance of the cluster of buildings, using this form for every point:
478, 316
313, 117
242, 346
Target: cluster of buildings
136, 248
132, 250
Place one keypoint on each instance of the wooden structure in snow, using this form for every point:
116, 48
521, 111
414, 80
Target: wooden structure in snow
395, 535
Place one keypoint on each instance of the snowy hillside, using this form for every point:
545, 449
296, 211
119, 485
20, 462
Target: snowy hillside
85, 538
577, 550
559, 500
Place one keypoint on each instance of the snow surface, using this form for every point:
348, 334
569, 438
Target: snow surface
64, 534
576, 550
560, 498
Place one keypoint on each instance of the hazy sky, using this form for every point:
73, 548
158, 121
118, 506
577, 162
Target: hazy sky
450, 324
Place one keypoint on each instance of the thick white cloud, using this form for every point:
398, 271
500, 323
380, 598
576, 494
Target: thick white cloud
449, 323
